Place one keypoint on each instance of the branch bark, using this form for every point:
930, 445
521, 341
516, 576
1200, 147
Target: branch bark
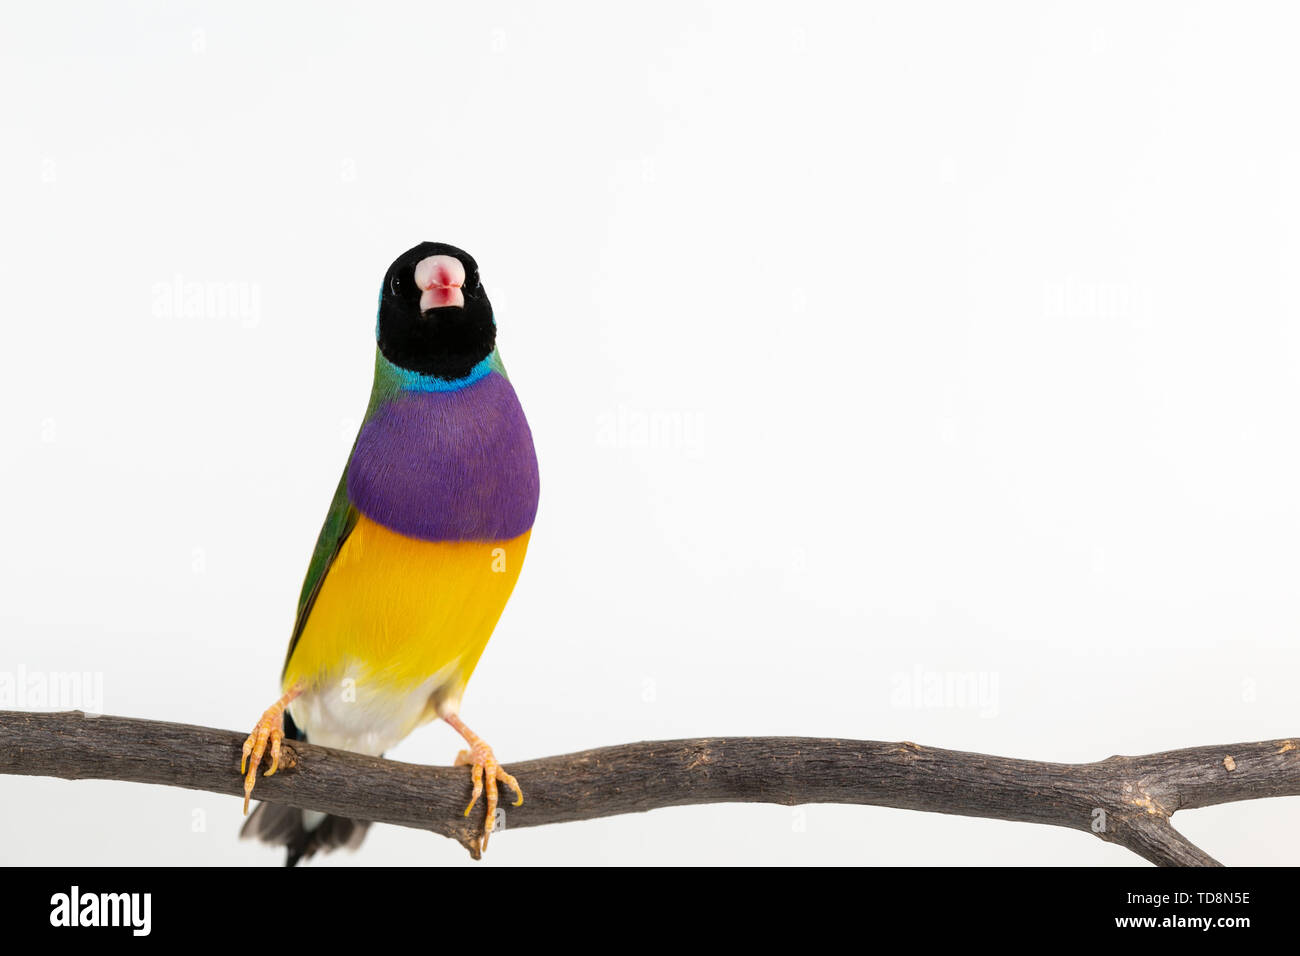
1124, 800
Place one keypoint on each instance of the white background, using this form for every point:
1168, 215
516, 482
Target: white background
863, 346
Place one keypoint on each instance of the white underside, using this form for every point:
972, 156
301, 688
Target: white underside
352, 713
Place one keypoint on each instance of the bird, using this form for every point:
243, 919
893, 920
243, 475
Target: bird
419, 552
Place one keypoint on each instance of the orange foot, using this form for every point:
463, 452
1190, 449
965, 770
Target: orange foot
485, 773
269, 728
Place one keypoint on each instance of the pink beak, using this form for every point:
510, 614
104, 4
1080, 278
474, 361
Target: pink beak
440, 279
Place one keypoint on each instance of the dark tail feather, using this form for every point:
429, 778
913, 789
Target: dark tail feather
279, 825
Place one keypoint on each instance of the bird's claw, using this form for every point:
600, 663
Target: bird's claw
485, 772
270, 729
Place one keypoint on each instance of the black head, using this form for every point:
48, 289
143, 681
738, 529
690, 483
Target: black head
434, 317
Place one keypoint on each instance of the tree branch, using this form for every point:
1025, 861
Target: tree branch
1124, 800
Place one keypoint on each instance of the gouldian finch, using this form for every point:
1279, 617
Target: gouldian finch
420, 549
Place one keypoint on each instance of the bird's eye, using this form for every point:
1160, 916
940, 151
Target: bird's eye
394, 284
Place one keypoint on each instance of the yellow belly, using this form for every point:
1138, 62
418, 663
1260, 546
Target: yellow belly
400, 613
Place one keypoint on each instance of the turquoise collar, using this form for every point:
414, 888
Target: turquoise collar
417, 382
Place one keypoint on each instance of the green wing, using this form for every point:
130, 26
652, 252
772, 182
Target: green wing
340, 521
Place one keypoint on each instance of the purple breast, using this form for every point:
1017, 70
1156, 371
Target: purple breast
448, 466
